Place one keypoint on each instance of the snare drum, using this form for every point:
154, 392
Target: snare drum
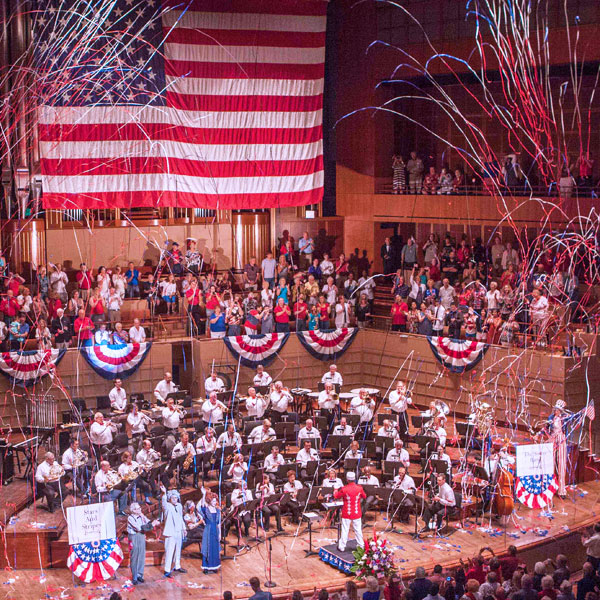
345, 399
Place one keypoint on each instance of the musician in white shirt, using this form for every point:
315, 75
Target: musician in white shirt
137, 334
331, 480
207, 442
262, 378
264, 491
48, 477
368, 479
262, 433
79, 473
238, 469
405, 483
101, 433
102, 481
171, 417
363, 405
289, 499
343, 428
256, 405
213, 384
398, 453
213, 410
305, 455
280, 398
272, 463
163, 388
147, 457
442, 502
399, 400
354, 451
309, 432
137, 421
183, 447
240, 496
230, 437
333, 376
118, 397
328, 401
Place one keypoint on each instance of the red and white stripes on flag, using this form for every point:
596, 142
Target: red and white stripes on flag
240, 128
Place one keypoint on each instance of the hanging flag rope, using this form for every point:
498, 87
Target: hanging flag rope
25, 367
254, 350
328, 344
116, 361
458, 356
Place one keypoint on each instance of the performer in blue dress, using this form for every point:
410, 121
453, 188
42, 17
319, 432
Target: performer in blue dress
211, 538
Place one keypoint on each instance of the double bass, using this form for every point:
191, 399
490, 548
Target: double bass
503, 502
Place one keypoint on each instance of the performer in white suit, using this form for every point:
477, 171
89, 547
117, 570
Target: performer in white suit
174, 530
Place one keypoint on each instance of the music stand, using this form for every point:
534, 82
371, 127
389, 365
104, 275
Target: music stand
178, 395
481, 473
285, 430
439, 466
282, 470
390, 467
314, 442
418, 420
383, 416
250, 425
352, 420
353, 464
369, 448
340, 442
262, 390
426, 440
309, 518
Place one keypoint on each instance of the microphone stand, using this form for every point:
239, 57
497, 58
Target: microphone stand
270, 583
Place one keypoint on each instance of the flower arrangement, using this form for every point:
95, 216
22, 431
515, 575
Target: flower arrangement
376, 559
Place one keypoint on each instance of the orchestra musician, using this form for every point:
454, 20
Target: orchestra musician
442, 501
280, 398
148, 458
241, 517
328, 402
434, 429
309, 432
101, 434
129, 470
305, 455
399, 400
343, 428
432, 412
185, 448
49, 482
262, 433
256, 404
388, 430
237, 470
290, 498
272, 463
194, 525
354, 450
367, 478
262, 378
136, 424
331, 480
351, 494
206, 442
213, 411
363, 405
171, 417
333, 376
104, 480
74, 462
230, 437
399, 453
118, 397
405, 483
163, 388
264, 491
213, 384
440, 454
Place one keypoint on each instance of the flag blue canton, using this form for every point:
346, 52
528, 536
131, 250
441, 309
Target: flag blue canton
536, 484
95, 552
99, 53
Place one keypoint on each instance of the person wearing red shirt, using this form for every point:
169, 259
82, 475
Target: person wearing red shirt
83, 327
96, 307
282, 314
194, 298
9, 306
351, 494
301, 313
399, 312
54, 303
323, 308
476, 571
14, 283
84, 281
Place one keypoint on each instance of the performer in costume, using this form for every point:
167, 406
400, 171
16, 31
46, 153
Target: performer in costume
174, 530
138, 525
556, 429
352, 494
211, 538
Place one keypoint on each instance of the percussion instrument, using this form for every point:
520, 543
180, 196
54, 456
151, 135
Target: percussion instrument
300, 399
345, 399
369, 391
314, 400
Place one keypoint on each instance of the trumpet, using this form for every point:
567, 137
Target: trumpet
56, 472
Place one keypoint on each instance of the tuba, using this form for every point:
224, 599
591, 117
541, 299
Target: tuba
112, 479
56, 472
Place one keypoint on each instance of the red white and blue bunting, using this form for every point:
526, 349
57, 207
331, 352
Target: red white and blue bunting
328, 344
254, 350
95, 561
116, 361
536, 491
458, 356
25, 367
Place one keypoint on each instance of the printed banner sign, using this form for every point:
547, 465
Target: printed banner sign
536, 484
328, 344
458, 356
254, 350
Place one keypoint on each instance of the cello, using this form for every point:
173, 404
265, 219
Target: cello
504, 502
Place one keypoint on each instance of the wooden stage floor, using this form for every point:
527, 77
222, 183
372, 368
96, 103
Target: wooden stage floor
291, 570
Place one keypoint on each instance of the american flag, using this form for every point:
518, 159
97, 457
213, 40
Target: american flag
190, 103
590, 410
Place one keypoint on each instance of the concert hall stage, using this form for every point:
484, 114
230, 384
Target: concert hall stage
536, 534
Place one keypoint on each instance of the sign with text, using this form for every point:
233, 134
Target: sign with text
91, 522
535, 460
